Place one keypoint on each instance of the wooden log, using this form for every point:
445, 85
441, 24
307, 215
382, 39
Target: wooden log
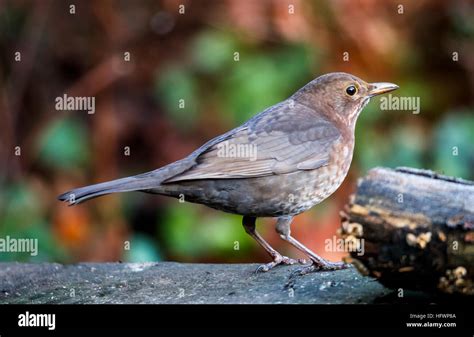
415, 229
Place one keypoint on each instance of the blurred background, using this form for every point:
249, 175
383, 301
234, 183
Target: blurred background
140, 58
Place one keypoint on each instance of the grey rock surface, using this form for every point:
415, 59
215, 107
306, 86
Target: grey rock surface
170, 283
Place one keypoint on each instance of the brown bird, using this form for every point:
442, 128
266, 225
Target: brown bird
280, 163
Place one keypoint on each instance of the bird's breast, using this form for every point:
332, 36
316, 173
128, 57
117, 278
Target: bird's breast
327, 179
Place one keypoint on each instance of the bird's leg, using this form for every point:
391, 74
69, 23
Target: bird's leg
318, 263
249, 226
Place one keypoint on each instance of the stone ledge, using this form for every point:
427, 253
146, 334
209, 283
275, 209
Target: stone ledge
173, 283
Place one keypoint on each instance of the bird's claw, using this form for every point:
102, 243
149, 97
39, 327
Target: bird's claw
326, 266
279, 259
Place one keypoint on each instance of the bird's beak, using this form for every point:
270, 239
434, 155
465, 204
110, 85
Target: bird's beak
381, 88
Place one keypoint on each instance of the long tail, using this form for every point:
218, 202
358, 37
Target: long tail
140, 182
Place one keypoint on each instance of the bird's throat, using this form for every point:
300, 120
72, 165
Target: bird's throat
354, 114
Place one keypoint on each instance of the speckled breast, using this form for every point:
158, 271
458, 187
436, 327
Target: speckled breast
321, 183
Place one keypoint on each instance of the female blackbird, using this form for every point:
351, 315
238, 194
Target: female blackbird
279, 163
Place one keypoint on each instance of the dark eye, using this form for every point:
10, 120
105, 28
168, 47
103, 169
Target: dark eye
351, 90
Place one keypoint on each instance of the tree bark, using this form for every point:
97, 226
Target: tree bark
415, 229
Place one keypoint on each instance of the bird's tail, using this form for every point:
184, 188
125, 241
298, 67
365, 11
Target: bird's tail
140, 182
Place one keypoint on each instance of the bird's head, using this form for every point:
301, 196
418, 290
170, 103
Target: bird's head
340, 96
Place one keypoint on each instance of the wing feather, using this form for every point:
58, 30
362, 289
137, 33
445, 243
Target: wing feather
279, 140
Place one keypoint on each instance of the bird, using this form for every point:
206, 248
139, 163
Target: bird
278, 164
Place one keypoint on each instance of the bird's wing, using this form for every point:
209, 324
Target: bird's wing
282, 139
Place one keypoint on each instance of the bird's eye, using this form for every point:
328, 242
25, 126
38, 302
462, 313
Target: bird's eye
351, 90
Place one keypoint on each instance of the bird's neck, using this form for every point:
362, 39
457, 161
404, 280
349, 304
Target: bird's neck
353, 115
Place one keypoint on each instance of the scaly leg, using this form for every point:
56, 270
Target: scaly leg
249, 226
318, 263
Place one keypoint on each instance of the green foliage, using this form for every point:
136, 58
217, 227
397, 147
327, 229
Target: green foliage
454, 145
417, 87
65, 144
142, 249
402, 146
21, 217
212, 51
449, 149
244, 86
176, 88
259, 80
20, 207
189, 232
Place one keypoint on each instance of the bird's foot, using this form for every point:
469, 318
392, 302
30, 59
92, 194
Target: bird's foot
277, 260
322, 266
